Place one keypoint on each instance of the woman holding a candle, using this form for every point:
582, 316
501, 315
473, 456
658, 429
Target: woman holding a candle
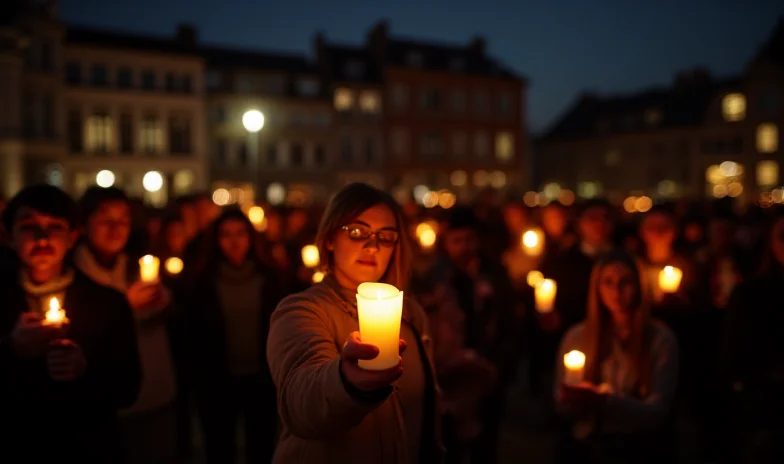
228, 320
332, 409
622, 409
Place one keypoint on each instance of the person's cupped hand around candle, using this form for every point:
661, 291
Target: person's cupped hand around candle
147, 295
366, 380
584, 396
31, 337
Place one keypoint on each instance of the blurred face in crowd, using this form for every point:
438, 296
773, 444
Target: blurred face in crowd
777, 244
514, 217
362, 248
41, 241
154, 226
207, 212
176, 239
109, 227
693, 232
658, 230
461, 245
720, 234
618, 288
274, 230
595, 226
554, 221
234, 240
296, 222
189, 218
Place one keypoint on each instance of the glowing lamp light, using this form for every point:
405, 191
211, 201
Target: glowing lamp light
174, 265
152, 181
310, 256
105, 178
253, 120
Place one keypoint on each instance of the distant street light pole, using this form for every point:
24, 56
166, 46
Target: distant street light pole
253, 120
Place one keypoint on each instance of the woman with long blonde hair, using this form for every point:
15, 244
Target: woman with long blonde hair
621, 410
331, 409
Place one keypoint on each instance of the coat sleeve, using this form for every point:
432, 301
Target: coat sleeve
314, 402
114, 373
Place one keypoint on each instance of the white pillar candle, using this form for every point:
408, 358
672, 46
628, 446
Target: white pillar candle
148, 268
380, 309
574, 367
670, 279
544, 294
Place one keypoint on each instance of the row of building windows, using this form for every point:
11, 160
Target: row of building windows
99, 133
272, 85
734, 105
124, 77
295, 118
352, 152
434, 145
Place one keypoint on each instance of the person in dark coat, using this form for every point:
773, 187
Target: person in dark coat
56, 375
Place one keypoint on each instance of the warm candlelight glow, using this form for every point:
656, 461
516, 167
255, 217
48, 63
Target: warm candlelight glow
574, 365
534, 278
545, 295
174, 265
55, 315
148, 268
427, 238
533, 242
310, 256
670, 279
380, 309
256, 217
318, 276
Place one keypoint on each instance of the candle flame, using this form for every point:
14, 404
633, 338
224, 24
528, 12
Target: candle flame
535, 278
574, 360
54, 304
55, 314
174, 265
147, 259
318, 276
256, 215
546, 285
530, 239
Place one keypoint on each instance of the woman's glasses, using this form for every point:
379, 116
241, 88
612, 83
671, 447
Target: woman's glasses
361, 233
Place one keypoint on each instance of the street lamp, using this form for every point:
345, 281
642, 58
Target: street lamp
253, 121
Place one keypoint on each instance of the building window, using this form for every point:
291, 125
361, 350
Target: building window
242, 153
126, 133
430, 99
221, 149
400, 142
504, 146
47, 61
98, 75
75, 132
480, 102
459, 101
480, 145
179, 136
459, 144
219, 114
73, 72
319, 156
297, 119
431, 145
213, 80
768, 102
148, 80
275, 85
369, 102
370, 151
321, 119
244, 83
152, 135
653, 116
48, 108
183, 182
29, 116
346, 152
589, 189
308, 87
612, 157
170, 82
415, 59
733, 107
186, 84
457, 63
272, 154
767, 138
399, 96
767, 174
297, 155
505, 104
124, 78
344, 99
99, 133
354, 69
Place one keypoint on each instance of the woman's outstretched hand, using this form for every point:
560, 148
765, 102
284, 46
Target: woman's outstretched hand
365, 380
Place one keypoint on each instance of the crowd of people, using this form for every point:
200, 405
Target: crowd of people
245, 332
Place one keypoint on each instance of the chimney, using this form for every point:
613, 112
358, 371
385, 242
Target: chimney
187, 35
376, 41
478, 45
318, 43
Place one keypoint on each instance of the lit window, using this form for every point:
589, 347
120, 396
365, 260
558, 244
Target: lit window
497, 179
480, 178
767, 138
588, 189
667, 188
99, 133
458, 178
183, 182
480, 145
733, 107
504, 146
369, 102
767, 173
612, 158
344, 99
152, 136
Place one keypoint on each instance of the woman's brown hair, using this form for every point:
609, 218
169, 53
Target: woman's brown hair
598, 329
350, 202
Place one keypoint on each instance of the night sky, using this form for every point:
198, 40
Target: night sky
564, 47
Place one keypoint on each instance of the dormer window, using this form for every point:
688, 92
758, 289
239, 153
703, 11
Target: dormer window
355, 69
415, 59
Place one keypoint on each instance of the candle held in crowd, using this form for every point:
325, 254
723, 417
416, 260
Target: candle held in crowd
256, 217
544, 295
574, 366
55, 315
173, 265
426, 235
148, 268
318, 276
310, 256
534, 279
533, 242
380, 309
670, 279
